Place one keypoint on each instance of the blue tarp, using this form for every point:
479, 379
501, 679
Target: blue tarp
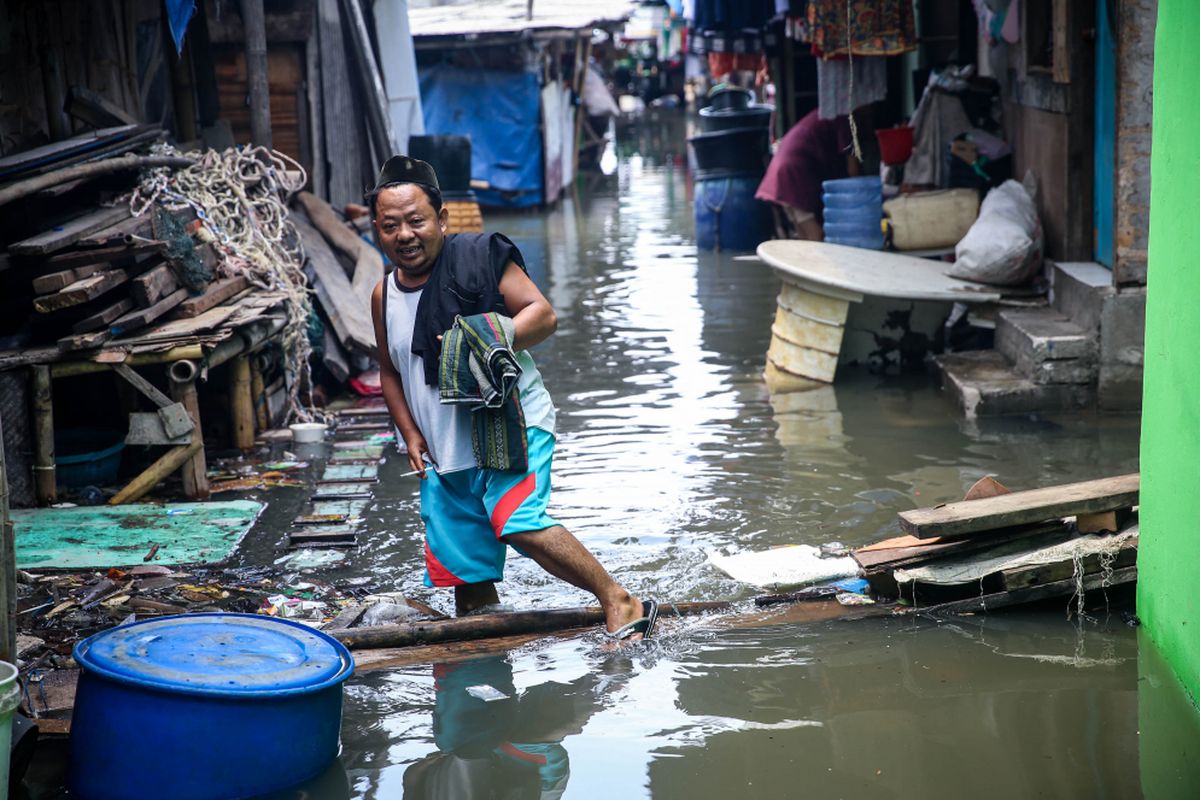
501, 113
179, 13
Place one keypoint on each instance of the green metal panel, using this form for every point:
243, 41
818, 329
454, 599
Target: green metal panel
108, 536
1169, 551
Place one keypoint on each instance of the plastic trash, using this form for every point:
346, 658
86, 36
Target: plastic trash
387, 614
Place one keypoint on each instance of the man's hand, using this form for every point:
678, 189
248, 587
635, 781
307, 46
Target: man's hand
417, 450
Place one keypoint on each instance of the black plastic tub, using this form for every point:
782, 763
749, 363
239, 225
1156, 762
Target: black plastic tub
739, 151
724, 119
450, 157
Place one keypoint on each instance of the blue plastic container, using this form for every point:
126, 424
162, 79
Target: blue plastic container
205, 706
727, 215
862, 215
86, 456
853, 209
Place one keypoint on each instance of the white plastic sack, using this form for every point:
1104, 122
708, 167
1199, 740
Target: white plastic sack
1004, 246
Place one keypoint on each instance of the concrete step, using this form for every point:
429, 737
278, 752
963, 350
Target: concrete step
985, 383
1078, 290
1045, 346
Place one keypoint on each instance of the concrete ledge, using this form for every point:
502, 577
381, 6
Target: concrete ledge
1041, 334
1078, 290
984, 383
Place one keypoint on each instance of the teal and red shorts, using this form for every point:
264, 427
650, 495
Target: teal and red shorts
468, 512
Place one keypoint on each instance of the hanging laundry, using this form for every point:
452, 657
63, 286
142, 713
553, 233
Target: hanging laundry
877, 27
837, 96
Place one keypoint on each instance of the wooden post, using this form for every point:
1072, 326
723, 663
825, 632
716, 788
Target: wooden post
195, 470
45, 480
172, 460
255, 27
8, 569
583, 53
258, 395
241, 404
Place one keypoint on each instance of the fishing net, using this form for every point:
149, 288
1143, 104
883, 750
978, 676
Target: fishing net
241, 196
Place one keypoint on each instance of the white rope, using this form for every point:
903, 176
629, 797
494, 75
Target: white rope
855, 146
241, 195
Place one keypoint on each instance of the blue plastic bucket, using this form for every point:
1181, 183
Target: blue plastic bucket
85, 456
205, 706
727, 215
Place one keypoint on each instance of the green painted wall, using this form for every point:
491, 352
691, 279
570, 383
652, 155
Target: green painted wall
1169, 553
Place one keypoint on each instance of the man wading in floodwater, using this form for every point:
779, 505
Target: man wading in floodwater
472, 291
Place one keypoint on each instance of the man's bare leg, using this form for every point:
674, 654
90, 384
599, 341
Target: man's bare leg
470, 596
557, 551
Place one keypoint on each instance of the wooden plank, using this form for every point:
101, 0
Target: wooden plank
65, 235
892, 558
152, 286
143, 317
81, 291
348, 312
84, 341
101, 318
55, 281
1025, 577
1035, 505
218, 292
1065, 588
104, 255
142, 385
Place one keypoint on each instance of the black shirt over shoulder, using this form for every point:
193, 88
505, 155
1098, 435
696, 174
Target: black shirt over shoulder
465, 280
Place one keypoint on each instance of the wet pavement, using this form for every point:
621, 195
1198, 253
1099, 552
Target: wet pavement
671, 447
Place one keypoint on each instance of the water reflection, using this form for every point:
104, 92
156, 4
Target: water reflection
493, 741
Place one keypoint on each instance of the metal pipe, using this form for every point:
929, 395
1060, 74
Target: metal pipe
183, 371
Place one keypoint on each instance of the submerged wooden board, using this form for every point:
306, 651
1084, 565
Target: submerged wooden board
854, 270
1018, 508
1032, 594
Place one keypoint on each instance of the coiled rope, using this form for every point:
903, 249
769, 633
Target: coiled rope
241, 195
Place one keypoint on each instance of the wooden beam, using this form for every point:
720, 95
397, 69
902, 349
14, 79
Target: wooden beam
258, 395
8, 568
154, 474
1019, 508
241, 404
81, 291
56, 281
100, 320
45, 479
24, 188
150, 287
195, 470
143, 317
1033, 594
142, 385
254, 28
218, 292
69, 233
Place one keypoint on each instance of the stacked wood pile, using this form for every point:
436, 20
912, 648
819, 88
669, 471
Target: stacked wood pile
79, 268
1058, 541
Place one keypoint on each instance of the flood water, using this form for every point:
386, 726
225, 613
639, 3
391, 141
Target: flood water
671, 447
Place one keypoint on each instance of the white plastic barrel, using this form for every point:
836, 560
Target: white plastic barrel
10, 698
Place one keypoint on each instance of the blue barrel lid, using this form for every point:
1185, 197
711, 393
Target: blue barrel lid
236, 655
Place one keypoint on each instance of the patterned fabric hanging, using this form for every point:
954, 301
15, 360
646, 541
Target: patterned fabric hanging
877, 27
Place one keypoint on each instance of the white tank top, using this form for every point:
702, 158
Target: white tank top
447, 428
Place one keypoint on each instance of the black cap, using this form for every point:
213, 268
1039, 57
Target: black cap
402, 169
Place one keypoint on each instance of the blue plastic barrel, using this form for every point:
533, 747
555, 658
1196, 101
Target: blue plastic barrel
727, 215
853, 208
204, 706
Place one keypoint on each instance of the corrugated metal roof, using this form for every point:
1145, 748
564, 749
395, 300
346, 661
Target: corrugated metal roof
499, 17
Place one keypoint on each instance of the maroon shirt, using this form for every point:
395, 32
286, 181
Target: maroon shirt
813, 151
